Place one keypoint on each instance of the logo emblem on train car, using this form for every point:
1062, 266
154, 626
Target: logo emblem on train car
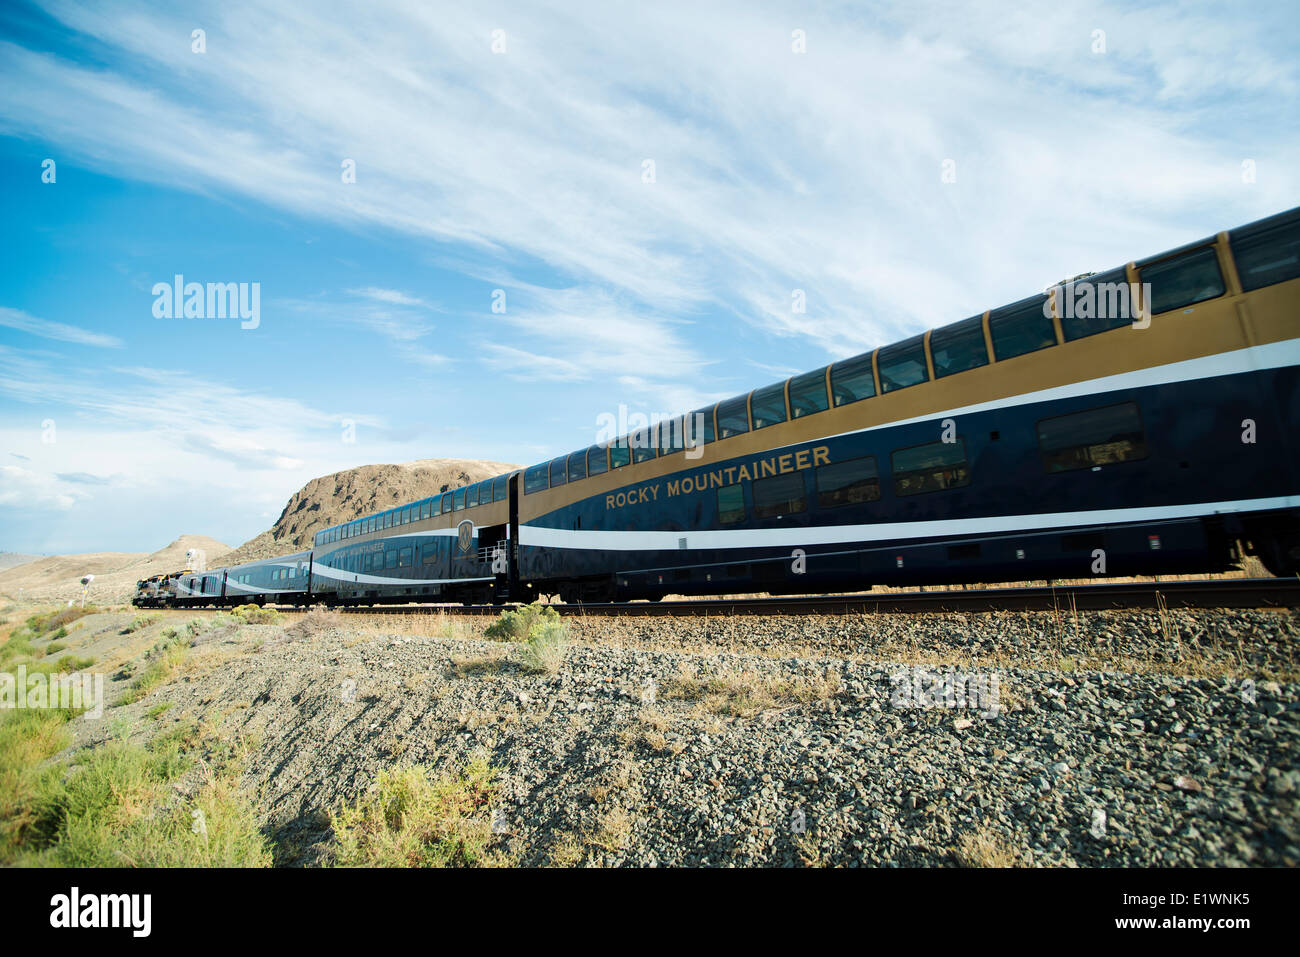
465, 536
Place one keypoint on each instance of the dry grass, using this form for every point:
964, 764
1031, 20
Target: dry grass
986, 848
469, 666
746, 694
316, 622
613, 830
411, 819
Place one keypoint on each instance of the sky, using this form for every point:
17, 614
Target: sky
473, 232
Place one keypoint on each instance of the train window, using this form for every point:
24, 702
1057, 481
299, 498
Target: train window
768, 405
1096, 437
1095, 304
1267, 252
471, 496
779, 495
672, 435
902, 364
597, 460
500, 488
293, 573
733, 417
534, 479
1183, 280
406, 516
390, 559
1021, 328
458, 502
619, 454
958, 347
577, 466
699, 427
371, 523
731, 504
808, 393
848, 483
558, 476
404, 557
930, 468
852, 380
643, 444
444, 503
386, 519
430, 555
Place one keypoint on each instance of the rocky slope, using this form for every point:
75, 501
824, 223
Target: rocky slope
1119, 738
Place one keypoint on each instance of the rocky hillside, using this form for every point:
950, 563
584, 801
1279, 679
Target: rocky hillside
346, 495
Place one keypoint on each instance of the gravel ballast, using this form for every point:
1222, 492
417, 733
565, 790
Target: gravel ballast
1116, 738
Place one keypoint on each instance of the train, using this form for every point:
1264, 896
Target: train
1143, 420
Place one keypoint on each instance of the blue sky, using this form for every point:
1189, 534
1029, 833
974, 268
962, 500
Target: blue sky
523, 170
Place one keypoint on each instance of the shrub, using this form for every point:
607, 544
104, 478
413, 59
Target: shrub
118, 808
140, 622
545, 647
409, 820
519, 624
253, 615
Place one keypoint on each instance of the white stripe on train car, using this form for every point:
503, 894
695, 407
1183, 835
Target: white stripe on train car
625, 541
1273, 355
348, 578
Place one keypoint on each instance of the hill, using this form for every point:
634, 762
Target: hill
11, 559
58, 577
352, 493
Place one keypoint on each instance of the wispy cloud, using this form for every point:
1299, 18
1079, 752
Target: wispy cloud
774, 171
48, 329
394, 296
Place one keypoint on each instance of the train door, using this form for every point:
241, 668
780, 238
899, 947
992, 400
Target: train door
512, 545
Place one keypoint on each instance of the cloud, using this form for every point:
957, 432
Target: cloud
774, 171
83, 478
47, 329
394, 296
23, 488
240, 451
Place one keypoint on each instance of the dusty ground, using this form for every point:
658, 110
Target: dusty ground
1133, 739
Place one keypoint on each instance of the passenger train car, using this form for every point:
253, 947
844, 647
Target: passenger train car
1139, 421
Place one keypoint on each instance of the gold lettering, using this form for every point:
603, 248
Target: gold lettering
768, 466
743, 474
801, 459
715, 480
674, 487
609, 501
786, 465
821, 455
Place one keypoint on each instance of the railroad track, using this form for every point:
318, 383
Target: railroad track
1228, 593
